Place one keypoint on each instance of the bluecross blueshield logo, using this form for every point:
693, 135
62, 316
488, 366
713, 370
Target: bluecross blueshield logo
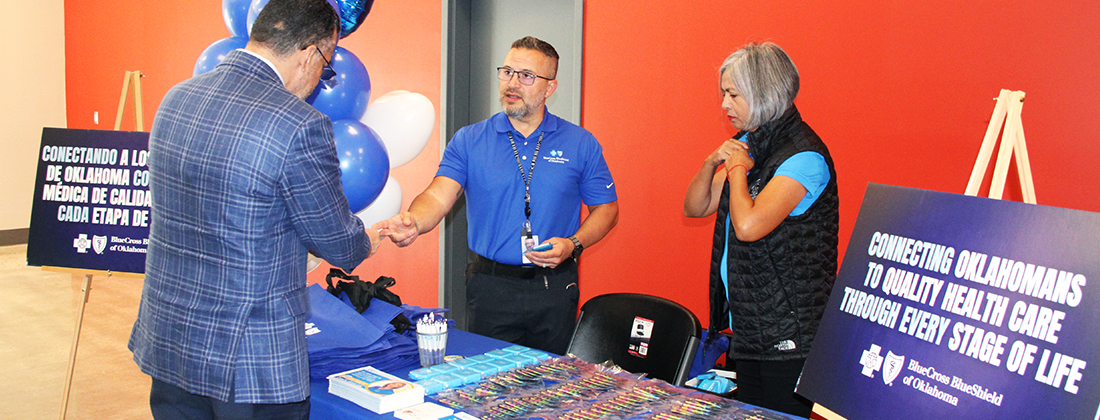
557, 156
99, 243
81, 243
891, 367
873, 361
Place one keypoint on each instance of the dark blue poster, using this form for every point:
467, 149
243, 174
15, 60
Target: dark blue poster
91, 201
949, 306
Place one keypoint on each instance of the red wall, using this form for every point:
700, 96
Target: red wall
104, 39
902, 93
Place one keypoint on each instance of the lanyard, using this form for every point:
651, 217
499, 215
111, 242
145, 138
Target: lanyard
526, 178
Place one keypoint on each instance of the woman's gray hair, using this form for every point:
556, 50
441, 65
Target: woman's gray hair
766, 77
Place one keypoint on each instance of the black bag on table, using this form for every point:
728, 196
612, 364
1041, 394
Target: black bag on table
361, 292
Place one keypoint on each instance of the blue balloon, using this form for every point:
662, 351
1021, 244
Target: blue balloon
253, 11
257, 5
235, 13
348, 99
364, 163
216, 52
352, 14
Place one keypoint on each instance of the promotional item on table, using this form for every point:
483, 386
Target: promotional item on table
431, 339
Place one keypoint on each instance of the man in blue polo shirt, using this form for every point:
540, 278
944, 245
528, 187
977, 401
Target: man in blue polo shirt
526, 173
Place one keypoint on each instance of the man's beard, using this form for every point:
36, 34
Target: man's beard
518, 113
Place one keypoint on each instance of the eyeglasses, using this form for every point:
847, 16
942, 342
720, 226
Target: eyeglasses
525, 77
328, 75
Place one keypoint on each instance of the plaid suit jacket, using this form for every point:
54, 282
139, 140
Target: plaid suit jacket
244, 179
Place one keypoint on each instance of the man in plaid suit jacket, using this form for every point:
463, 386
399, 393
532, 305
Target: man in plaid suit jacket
245, 180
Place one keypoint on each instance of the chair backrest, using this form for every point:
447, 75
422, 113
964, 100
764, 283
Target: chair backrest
639, 333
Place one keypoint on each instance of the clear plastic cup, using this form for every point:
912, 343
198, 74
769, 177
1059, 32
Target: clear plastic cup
433, 346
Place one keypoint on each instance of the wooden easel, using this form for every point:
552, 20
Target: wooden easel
1006, 113
131, 77
84, 290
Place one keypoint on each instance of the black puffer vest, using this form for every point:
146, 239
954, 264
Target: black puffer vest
780, 284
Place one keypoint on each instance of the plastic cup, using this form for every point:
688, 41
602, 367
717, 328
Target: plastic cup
432, 346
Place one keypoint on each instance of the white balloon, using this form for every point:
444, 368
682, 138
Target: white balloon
387, 205
404, 121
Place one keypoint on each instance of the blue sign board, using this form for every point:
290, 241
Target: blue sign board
950, 306
91, 201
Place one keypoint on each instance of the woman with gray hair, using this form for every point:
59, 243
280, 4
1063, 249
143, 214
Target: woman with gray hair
774, 261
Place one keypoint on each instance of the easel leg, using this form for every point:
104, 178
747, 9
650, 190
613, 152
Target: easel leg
76, 341
1008, 143
1023, 164
1006, 114
131, 78
139, 116
988, 143
122, 100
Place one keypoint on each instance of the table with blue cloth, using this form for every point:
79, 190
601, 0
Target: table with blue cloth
529, 382
666, 402
327, 406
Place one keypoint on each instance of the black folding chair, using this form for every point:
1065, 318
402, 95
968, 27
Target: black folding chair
639, 333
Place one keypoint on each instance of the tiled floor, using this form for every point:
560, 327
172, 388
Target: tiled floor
37, 318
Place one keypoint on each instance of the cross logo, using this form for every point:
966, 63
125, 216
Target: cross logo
871, 361
81, 243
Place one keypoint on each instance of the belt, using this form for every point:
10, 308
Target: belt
486, 266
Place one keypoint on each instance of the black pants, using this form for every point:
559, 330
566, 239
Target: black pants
771, 385
170, 402
538, 312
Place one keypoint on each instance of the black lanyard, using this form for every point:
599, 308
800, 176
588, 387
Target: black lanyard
526, 178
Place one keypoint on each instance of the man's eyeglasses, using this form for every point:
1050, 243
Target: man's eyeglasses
525, 77
328, 75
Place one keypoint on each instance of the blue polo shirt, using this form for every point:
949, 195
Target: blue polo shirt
570, 171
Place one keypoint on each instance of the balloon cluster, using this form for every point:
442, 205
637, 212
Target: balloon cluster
370, 140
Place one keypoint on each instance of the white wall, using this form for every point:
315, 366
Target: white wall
33, 96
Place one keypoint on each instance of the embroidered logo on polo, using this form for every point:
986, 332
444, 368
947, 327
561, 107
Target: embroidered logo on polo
556, 156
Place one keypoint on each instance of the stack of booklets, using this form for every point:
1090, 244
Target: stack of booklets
375, 390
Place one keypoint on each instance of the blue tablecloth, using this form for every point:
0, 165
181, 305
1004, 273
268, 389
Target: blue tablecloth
324, 406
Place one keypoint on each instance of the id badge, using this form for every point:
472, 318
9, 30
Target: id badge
527, 242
